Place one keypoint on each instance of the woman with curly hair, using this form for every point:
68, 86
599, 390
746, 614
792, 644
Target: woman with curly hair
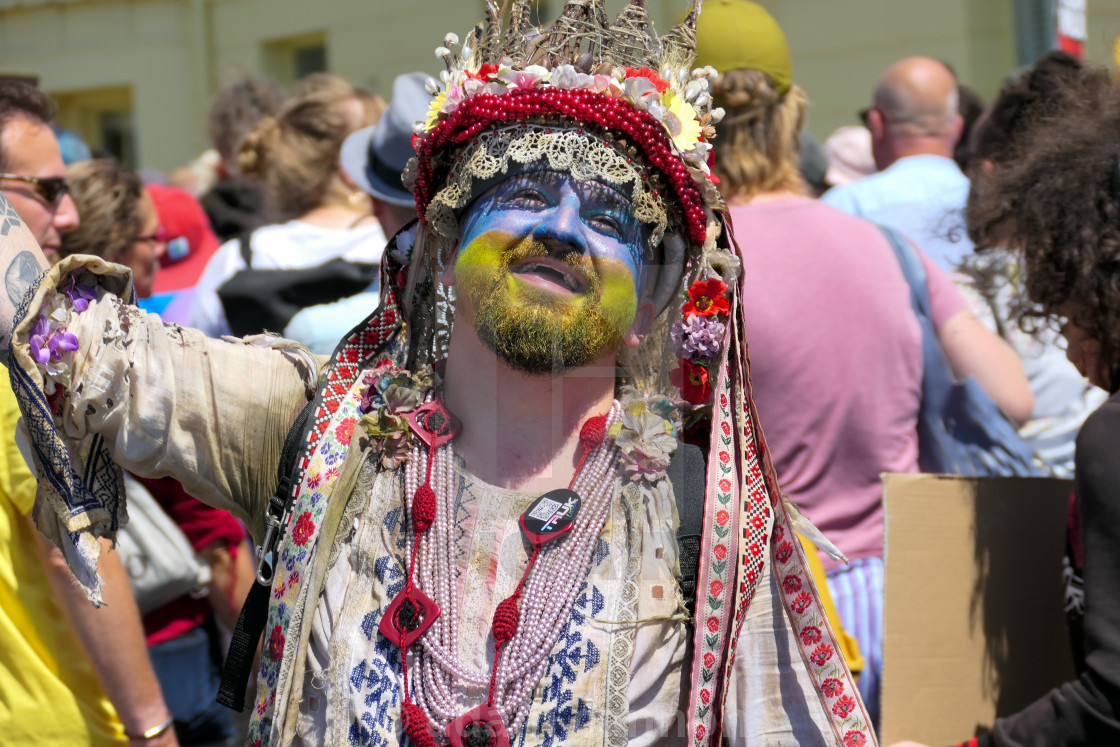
1063, 399
1057, 203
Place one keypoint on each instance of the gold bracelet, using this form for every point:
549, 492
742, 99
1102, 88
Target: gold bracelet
154, 732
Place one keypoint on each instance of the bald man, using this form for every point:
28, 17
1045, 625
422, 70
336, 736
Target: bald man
919, 189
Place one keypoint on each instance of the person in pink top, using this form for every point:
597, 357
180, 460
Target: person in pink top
836, 349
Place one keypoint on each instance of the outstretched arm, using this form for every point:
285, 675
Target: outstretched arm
21, 263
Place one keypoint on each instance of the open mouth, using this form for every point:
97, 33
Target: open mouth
550, 274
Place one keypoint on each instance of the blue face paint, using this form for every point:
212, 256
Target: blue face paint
565, 215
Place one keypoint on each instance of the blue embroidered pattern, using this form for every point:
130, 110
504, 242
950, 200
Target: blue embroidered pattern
573, 656
379, 679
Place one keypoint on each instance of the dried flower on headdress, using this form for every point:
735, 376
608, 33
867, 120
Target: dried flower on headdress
706, 298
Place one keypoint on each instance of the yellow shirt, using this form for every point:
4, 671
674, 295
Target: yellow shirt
49, 693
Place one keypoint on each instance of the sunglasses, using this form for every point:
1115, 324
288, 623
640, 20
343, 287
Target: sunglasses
158, 236
50, 188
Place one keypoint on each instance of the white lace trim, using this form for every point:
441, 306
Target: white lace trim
582, 155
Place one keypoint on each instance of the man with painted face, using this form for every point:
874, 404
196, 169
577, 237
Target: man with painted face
487, 530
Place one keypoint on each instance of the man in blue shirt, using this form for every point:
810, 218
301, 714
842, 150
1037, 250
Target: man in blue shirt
919, 189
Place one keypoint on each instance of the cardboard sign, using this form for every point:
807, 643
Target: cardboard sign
973, 620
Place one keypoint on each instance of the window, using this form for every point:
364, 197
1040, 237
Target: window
1035, 24
103, 118
288, 60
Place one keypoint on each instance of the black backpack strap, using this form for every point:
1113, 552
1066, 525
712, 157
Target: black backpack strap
687, 472
254, 613
245, 245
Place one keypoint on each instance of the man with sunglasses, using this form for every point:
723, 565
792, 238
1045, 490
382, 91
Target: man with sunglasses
69, 673
32, 174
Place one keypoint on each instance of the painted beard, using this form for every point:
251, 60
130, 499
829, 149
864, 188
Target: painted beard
536, 331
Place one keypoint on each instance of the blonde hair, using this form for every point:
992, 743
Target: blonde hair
757, 146
295, 153
109, 198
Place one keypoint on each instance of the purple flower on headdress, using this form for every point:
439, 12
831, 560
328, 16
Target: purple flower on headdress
49, 345
79, 295
698, 337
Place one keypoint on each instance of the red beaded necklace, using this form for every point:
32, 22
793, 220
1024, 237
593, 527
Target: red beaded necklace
412, 612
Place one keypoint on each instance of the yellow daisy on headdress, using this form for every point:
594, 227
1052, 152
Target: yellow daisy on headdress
681, 122
434, 109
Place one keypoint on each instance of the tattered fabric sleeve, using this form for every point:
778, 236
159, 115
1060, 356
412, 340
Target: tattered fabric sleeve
102, 384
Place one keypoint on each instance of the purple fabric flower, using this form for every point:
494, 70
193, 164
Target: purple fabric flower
48, 345
39, 340
698, 337
79, 295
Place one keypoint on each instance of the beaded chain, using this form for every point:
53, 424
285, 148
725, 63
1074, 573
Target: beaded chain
526, 624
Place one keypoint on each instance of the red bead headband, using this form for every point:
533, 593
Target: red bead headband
481, 112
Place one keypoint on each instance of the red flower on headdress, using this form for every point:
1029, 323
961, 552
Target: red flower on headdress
645, 72
692, 380
484, 72
705, 298
854, 739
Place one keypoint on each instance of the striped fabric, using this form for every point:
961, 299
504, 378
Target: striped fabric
857, 591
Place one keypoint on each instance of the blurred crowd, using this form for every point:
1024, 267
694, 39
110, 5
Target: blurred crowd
927, 209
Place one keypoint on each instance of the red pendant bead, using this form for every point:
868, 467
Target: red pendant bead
506, 616
478, 727
593, 432
410, 614
423, 508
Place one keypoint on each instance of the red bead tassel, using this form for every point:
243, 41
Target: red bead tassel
416, 725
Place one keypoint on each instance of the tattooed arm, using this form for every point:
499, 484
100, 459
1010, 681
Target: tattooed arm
21, 264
